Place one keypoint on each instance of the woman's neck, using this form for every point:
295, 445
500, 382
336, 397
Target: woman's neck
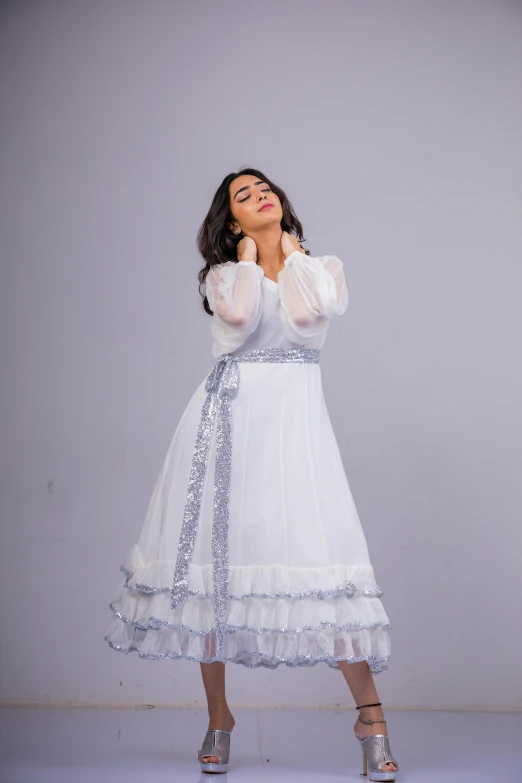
270, 255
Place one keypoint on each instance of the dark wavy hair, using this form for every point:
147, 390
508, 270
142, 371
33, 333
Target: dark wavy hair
217, 243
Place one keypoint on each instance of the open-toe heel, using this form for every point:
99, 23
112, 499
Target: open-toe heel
216, 743
376, 752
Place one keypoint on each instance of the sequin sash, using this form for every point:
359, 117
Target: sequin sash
221, 386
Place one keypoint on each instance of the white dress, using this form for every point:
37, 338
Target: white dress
301, 586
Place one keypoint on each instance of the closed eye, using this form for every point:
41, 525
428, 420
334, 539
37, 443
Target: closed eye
264, 190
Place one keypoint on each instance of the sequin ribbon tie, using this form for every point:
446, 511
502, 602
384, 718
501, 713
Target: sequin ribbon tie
221, 386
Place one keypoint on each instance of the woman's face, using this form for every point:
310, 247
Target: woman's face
249, 200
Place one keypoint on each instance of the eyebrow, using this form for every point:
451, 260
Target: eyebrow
246, 187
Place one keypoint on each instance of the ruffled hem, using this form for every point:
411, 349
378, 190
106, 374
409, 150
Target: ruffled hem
254, 659
272, 581
295, 616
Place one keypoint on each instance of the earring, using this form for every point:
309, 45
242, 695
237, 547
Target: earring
236, 230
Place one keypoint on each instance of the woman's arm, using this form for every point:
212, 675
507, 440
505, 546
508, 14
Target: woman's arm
312, 290
234, 294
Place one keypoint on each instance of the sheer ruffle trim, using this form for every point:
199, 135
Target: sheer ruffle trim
274, 581
328, 623
267, 652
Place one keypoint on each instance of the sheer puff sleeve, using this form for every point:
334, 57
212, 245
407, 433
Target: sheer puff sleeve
233, 290
312, 290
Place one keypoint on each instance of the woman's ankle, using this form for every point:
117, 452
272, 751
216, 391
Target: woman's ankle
370, 713
220, 712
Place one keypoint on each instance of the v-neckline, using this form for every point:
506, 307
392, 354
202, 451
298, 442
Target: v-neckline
270, 281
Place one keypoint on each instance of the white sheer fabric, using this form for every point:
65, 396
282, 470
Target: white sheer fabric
302, 588
234, 294
311, 291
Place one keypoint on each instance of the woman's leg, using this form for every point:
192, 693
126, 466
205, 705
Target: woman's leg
219, 714
361, 684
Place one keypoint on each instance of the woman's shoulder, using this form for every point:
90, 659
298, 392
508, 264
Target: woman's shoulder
327, 257
331, 262
224, 266
218, 270
222, 274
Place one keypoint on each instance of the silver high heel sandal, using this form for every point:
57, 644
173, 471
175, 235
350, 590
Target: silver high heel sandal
376, 752
216, 743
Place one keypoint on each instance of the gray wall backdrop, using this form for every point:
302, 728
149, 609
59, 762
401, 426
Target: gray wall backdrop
396, 129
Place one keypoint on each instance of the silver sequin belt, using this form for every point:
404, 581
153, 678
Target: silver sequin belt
221, 386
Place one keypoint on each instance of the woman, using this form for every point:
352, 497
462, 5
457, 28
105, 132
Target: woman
252, 551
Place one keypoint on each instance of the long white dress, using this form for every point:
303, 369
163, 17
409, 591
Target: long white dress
301, 586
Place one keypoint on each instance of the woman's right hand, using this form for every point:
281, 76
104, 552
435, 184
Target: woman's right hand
247, 249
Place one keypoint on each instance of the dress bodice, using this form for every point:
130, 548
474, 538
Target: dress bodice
252, 311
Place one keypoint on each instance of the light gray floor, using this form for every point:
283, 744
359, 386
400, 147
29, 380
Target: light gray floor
273, 746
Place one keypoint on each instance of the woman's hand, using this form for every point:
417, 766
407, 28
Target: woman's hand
247, 249
289, 244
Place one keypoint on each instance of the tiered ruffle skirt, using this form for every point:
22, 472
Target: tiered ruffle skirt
298, 617
300, 584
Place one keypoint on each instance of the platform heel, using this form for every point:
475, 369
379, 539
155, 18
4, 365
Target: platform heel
216, 743
376, 752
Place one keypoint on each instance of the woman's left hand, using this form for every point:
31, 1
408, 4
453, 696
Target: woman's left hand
289, 244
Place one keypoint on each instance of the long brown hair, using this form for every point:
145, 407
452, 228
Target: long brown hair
217, 243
